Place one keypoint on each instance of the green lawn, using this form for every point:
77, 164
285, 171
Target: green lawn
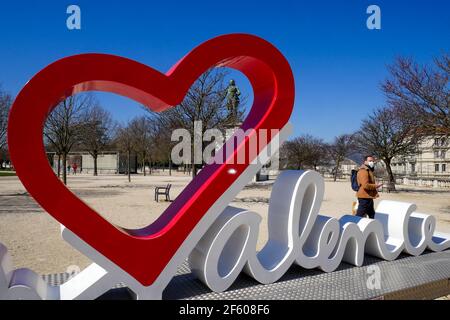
7, 174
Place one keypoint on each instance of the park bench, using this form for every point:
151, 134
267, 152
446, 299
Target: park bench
387, 186
163, 190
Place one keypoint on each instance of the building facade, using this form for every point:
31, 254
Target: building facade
432, 160
343, 171
107, 162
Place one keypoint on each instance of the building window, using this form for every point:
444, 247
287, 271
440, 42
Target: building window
443, 154
436, 142
436, 154
436, 167
444, 167
413, 167
443, 142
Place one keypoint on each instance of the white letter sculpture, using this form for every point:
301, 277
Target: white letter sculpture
298, 234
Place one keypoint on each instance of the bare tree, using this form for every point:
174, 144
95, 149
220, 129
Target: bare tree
205, 102
5, 104
63, 125
95, 132
303, 152
386, 135
126, 143
163, 144
342, 147
142, 129
421, 93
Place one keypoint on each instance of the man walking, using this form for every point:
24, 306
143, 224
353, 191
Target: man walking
367, 188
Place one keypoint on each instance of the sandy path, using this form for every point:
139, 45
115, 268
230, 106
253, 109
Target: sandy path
33, 237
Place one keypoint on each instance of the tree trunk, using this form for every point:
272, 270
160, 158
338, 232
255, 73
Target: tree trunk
143, 164
194, 171
129, 165
170, 167
64, 159
387, 162
59, 165
336, 170
95, 156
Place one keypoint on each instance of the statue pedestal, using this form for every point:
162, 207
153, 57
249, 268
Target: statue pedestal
230, 129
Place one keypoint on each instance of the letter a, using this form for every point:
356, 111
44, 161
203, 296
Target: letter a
181, 152
374, 20
74, 20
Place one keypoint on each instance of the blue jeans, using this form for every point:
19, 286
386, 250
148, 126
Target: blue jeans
365, 207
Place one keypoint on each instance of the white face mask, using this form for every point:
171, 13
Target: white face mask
371, 164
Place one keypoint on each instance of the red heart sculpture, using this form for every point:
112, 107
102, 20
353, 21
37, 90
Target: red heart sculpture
144, 253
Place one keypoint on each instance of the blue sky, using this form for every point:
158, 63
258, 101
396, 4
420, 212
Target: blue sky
337, 62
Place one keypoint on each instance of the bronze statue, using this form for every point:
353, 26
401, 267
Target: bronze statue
233, 100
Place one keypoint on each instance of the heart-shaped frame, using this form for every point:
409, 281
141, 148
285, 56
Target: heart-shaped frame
144, 253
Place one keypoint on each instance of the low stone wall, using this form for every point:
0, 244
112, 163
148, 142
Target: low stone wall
424, 182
